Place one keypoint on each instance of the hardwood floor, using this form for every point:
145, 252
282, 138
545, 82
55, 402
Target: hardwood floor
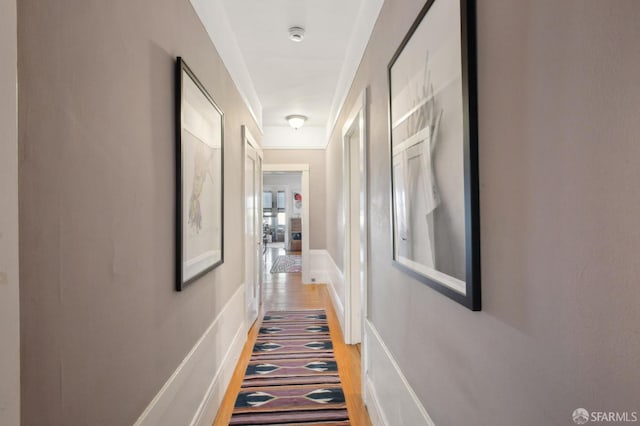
286, 291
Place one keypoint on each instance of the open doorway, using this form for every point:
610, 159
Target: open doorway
288, 227
282, 221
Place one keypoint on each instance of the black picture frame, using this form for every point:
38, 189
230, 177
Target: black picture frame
436, 143
199, 167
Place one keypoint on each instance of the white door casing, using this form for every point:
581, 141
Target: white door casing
253, 225
9, 221
355, 220
304, 169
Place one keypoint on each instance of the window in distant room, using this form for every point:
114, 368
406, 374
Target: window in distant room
281, 200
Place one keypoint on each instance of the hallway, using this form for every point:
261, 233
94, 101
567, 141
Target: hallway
285, 292
97, 325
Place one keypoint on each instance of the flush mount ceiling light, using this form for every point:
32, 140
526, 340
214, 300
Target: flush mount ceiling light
296, 121
296, 34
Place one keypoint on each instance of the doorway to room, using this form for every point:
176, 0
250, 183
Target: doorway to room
286, 223
282, 221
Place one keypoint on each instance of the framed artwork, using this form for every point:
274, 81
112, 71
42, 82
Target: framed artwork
199, 184
434, 151
297, 204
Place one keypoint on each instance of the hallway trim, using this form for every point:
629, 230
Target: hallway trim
324, 270
364, 24
318, 269
389, 396
195, 390
214, 18
9, 219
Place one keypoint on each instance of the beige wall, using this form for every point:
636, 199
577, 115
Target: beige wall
102, 327
335, 203
9, 297
558, 126
315, 158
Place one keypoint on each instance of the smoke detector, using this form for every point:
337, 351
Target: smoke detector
296, 34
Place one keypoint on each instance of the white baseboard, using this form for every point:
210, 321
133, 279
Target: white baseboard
193, 393
337, 305
388, 395
318, 266
373, 405
208, 409
325, 270
336, 289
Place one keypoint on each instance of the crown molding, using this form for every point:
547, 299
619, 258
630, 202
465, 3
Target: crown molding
214, 18
363, 27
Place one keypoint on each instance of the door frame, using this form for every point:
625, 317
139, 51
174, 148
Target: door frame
248, 139
355, 308
304, 168
9, 220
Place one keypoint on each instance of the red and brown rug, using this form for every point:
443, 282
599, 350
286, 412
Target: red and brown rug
292, 377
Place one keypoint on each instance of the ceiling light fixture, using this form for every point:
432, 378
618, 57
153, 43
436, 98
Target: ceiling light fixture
296, 34
296, 121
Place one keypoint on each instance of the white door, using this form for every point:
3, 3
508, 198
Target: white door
355, 221
352, 247
253, 231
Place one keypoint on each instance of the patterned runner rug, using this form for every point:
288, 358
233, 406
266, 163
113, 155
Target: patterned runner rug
292, 377
287, 263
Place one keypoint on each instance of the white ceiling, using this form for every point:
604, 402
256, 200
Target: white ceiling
290, 77
281, 77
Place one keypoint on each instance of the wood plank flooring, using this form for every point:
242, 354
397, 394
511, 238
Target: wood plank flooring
286, 291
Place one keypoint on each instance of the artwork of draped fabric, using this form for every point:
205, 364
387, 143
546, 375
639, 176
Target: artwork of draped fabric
427, 149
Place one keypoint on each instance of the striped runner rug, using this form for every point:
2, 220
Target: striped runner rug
292, 377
